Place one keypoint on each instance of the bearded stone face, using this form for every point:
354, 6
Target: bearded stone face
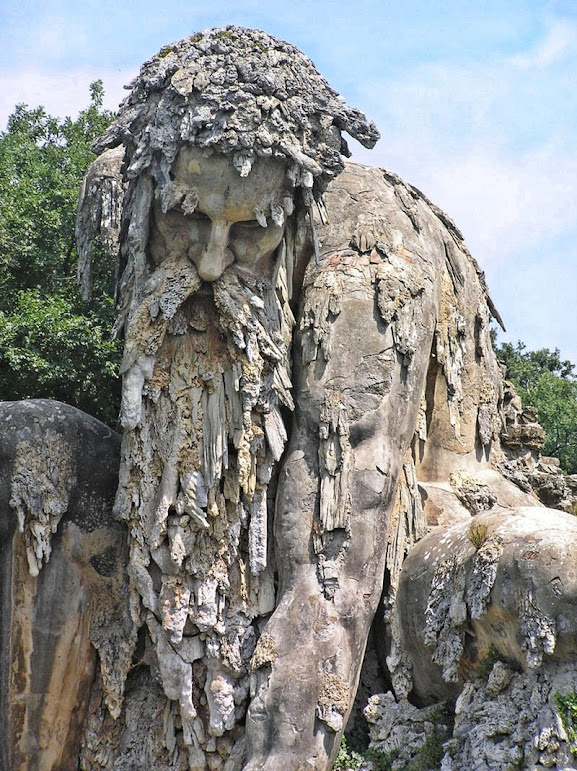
219, 218
206, 372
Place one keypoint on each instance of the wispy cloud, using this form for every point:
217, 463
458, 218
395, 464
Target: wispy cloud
488, 143
506, 206
503, 204
492, 143
560, 39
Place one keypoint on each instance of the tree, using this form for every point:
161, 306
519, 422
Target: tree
548, 383
52, 344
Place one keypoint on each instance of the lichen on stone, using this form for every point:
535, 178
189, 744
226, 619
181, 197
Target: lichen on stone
539, 632
445, 616
265, 652
475, 495
333, 700
481, 575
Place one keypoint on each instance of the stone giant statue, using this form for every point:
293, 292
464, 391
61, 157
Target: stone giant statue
308, 386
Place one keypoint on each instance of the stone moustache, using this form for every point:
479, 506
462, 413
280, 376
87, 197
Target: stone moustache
309, 388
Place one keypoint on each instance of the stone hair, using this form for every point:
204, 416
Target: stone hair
239, 92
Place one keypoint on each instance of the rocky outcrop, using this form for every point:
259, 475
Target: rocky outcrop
522, 440
485, 613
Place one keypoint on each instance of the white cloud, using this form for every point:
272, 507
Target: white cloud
486, 143
505, 204
560, 39
502, 203
60, 93
492, 144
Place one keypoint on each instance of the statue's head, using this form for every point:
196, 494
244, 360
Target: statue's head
241, 93
226, 133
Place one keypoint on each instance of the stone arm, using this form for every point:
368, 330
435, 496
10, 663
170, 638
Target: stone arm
361, 358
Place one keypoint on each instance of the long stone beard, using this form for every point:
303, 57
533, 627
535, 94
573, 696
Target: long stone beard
205, 376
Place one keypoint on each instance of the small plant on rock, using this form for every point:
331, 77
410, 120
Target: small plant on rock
350, 760
347, 759
478, 534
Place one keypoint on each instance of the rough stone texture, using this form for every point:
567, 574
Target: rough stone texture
486, 613
521, 430
308, 388
99, 212
511, 719
505, 582
543, 477
492, 625
63, 579
207, 371
379, 280
242, 93
401, 730
506, 719
380, 261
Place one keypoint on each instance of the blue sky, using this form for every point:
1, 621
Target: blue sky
475, 100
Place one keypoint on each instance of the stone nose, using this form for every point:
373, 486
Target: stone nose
216, 256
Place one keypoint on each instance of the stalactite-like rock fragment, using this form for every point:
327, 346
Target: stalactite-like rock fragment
334, 463
41, 484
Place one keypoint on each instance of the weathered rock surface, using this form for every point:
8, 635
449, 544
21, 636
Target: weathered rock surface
402, 731
522, 440
485, 611
513, 719
316, 431
505, 582
504, 719
63, 580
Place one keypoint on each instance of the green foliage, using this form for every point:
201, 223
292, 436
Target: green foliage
348, 759
544, 381
48, 350
351, 760
567, 708
430, 754
51, 344
381, 761
427, 758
